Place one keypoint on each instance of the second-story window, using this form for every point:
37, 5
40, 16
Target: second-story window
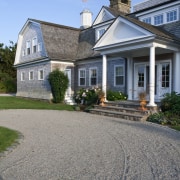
172, 16
28, 47
147, 20
158, 19
34, 45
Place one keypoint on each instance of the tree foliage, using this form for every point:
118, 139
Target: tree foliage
7, 71
59, 84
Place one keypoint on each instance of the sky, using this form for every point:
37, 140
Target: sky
14, 14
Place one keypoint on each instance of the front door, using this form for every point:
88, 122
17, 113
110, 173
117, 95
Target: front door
68, 91
162, 79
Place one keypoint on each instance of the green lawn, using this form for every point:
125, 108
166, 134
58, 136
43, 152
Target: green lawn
7, 138
21, 103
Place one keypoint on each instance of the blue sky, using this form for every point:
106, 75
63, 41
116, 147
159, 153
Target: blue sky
14, 13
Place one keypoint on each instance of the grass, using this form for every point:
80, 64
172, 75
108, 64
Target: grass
7, 138
21, 103
177, 127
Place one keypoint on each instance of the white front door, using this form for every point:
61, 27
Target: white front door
68, 91
162, 79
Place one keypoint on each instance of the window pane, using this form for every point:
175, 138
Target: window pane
93, 77
158, 19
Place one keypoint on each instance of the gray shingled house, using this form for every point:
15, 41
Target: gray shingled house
121, 51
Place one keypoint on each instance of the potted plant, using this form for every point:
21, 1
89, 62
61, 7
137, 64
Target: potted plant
101, 98
142, 99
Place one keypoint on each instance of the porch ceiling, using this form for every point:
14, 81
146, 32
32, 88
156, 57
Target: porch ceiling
139, 52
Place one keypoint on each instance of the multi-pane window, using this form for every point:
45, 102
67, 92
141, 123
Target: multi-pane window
93, 77
165, 75
147, 20
119, 75
22, 76
82, 77
34, 45
28, 47
41, 74
158, 19
172, 16
31, 75
141, 77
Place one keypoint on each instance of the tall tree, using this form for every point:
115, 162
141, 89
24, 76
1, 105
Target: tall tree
7, 71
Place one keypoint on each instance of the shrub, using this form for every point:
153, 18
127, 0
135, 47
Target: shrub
114, 95
87, 96
59, 84
157, 118
171, 103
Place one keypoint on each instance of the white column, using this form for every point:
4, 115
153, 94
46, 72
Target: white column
104, 75
152, 77
176, 72
130, 78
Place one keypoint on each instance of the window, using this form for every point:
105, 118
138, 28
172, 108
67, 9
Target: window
34, 45
147, 20
101, 32
22, 76
119, 75
31, 75
28, 47
41, 75
141, 76
172, 16
82, 77
158, 19
165, 75
39, 47
93, 77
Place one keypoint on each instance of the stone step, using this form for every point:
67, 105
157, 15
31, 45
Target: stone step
127, 116
122, 109
126, 104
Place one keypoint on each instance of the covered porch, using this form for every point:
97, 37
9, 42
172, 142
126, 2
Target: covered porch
152, 67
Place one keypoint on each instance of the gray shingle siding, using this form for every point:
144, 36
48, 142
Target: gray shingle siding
35, 88
33, 31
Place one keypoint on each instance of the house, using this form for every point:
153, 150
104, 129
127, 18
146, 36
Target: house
120, 50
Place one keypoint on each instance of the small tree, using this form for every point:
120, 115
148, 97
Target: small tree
59, 84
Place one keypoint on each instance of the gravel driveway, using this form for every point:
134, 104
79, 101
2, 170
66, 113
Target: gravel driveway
76, 145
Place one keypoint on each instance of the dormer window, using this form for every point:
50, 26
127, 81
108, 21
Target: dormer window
147, 20
158, 19
172, 16
34, 45
28, 47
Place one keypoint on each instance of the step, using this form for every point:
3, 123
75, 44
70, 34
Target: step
122, 109
126, 104
127, 116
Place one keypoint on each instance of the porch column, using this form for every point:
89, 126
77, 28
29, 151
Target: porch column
176, 72
104, 75
129, 78
152, 77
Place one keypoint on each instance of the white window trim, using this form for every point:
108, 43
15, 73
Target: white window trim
22, 79
90, 76
39, 77
34, 45
29, 47
82, 69
30, 75
39, 47
115, 85
172, 10
162, 14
